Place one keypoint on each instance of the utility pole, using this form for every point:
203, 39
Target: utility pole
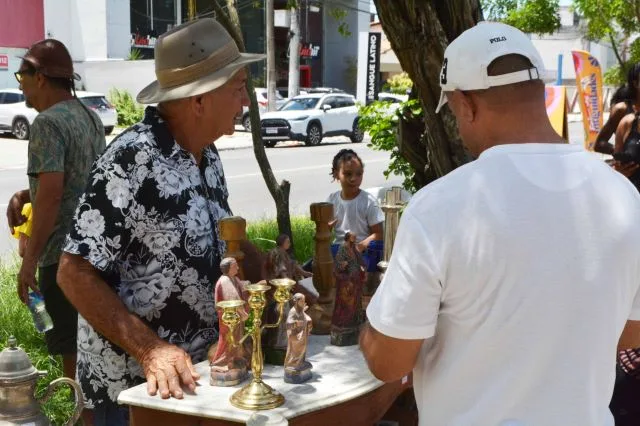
294, 52
271, 57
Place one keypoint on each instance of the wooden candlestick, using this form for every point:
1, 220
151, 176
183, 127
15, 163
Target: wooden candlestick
233, 230
323, 278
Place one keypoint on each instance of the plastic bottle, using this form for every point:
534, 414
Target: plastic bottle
41, 317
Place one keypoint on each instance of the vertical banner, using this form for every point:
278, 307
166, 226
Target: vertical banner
373, 67
589, 85
557, 105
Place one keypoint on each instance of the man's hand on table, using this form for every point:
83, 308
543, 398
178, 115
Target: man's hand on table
166, 367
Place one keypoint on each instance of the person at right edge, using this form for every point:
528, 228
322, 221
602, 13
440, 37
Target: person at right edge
528, 274
625, 403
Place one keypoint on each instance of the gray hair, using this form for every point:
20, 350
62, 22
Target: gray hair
226, 263
297, 297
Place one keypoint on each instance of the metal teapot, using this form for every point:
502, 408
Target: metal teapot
18, 377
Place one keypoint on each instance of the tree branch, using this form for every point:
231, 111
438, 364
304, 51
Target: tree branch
280, 192
615, 50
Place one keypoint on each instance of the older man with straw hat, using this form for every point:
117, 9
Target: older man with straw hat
144, 250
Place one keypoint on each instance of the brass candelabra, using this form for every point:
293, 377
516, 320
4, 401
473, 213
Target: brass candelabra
257, 395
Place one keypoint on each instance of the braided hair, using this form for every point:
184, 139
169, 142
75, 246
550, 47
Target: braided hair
341, 157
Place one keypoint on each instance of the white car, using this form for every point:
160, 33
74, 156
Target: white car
311, 117
16, 117
261, 96
391, 101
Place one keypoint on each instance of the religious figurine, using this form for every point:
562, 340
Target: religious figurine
279, 264
349, 272
296, 368
229, 364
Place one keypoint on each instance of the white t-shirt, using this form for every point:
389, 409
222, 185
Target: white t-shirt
355, 215
524, 267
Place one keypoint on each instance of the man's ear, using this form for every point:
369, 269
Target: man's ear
41, 80
197, 104
466, 105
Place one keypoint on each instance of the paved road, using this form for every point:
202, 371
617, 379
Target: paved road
306, 168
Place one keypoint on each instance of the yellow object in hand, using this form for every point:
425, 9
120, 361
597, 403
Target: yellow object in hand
25, 228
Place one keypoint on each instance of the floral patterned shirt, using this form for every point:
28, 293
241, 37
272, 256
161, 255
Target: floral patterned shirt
148, 222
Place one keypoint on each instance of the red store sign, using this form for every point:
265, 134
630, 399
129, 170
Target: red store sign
4, 62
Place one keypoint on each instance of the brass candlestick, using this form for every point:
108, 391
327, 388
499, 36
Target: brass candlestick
257, 395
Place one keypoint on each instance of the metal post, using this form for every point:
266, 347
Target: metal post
559, 77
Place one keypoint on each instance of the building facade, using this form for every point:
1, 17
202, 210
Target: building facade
104, 36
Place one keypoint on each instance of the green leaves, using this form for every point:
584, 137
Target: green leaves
606, 17
128, 110
530, 16
399, 83
381, 122
339, 14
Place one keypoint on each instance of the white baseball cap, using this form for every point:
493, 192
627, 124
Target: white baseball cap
467, 58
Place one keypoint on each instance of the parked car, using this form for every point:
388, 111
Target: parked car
261, 96
310, 118
310, 90
391, 101
101, 106
16, 117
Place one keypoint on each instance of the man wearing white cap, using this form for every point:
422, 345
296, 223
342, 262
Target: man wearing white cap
144, 250
512, 278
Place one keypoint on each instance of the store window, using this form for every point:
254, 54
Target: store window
149, 19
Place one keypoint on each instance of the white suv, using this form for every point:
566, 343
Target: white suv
261, 96
16, 117
311, 117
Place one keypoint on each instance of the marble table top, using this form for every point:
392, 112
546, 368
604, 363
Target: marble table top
339, 374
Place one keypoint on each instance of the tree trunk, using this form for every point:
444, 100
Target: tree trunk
279, 192
294, 53
271, 57
419, 31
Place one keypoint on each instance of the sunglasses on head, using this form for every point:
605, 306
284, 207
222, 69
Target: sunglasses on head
19, 74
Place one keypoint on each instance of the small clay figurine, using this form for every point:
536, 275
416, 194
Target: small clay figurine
279, 264
229, 364
296, 368
348, 314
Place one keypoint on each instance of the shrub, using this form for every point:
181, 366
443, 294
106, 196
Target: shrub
399, 83
129, 111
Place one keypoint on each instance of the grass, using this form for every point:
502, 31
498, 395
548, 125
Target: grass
264, 233
15, 319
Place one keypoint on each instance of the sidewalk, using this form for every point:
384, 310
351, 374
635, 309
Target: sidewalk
239, 140
14, 151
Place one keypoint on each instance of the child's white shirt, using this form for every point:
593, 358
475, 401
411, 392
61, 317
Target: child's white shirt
356, 215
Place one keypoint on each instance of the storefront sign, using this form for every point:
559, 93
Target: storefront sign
4, 62
373, 66
309, 50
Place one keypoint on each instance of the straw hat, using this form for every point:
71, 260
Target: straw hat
194, 58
